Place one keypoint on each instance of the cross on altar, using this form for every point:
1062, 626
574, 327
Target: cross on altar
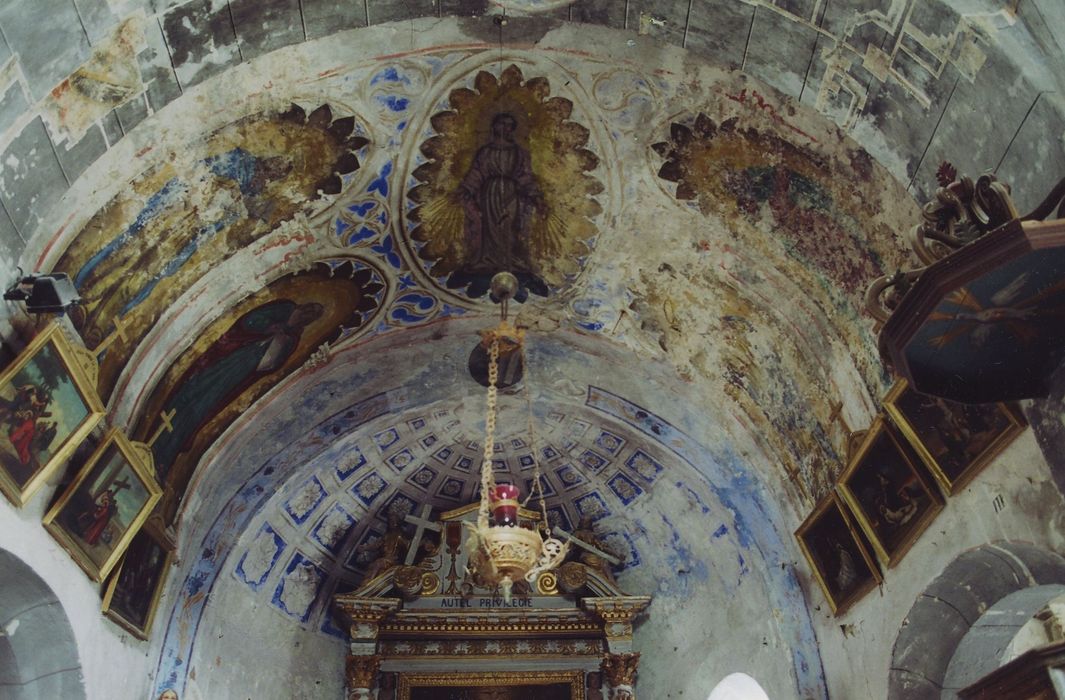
584, 545
421, 525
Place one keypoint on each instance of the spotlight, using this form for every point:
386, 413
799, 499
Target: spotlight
44, 293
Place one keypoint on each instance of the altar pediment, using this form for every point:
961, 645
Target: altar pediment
410, 616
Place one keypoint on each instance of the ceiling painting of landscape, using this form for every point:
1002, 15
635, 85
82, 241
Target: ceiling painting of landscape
151, 242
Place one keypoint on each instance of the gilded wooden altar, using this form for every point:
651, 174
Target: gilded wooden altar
427, 629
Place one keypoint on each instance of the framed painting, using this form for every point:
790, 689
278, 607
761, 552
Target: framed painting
134, 589
493, 685
103, 508
955, 440
48, 405
837, 554
889, 495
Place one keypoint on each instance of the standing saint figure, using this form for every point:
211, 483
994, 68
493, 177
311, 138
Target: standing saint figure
499, 195
257, 344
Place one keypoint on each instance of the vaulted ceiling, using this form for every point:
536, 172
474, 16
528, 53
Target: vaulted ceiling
716, 185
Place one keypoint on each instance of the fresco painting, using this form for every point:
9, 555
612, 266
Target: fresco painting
249, 177
247, 352
507, 186
814, 202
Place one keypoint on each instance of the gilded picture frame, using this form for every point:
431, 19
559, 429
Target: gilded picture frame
48, 406
103, 508
837, 554
134, 589
888, 493
957, 441
410, 683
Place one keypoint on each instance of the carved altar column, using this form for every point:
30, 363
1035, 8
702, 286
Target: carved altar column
620, 672
619, 666
362, 676
364, 616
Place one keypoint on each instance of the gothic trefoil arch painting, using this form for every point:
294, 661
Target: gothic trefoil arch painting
150, 243
507, 186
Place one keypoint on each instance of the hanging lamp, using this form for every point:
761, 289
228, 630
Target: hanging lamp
501, 552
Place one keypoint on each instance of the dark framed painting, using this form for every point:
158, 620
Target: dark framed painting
48, 405
888, 493
103, 508
493, 685
955, 440
837, 554
133, 591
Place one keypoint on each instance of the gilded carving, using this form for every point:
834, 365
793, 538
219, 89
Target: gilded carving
572, 576
620, 673
362, 671
487, 685
408, 580
491, 648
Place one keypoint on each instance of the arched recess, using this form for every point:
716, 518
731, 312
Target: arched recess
738, 686
987, 645
946, 610
38, 654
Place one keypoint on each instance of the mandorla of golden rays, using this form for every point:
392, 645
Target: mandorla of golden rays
562, 228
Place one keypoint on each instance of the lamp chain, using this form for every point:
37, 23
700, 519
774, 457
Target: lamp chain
538, 486
488, 481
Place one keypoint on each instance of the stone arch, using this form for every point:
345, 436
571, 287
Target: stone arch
984, 647
38, 653
952, 604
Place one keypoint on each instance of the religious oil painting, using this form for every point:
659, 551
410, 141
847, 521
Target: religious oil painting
134, 589
889, 495
955, 440
48, 405
244, 354
507, 186
150, 243
103, 508
837, 554
563, 685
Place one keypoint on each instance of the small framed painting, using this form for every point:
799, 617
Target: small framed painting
97, 516
134, 589
837, 554
889, 495
48, 405
955, 440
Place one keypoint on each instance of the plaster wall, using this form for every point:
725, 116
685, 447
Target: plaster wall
113, 663
857, 647
906, 128
697, 539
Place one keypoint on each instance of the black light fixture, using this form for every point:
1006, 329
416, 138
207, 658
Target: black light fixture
44, 293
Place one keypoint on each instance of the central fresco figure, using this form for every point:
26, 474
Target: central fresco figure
500, 195
506, 186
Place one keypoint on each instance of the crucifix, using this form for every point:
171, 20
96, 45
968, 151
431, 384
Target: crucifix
166, 417
584, 545
421, 524
120, 332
